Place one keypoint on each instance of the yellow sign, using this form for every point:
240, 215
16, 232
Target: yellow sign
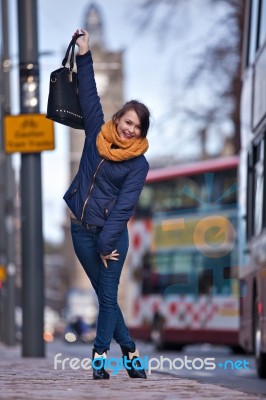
28, 133
2, 273
207, 234
228, 312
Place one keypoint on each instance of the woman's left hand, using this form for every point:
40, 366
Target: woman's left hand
113, 256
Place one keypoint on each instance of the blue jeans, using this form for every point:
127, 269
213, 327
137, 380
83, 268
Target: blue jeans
105, 282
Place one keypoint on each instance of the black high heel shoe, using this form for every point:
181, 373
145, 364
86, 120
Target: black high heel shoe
99, 373
128, 358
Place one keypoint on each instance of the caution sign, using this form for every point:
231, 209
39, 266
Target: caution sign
28, 133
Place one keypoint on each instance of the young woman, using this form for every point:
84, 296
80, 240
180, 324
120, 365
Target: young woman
101, 198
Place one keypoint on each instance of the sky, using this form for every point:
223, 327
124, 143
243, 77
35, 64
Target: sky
149, 72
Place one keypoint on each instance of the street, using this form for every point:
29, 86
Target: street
232, 371
244, 379
65, 373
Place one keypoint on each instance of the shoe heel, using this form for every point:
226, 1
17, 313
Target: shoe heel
130, 364
98, 365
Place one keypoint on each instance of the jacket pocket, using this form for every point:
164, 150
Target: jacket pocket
73, 190
108, 208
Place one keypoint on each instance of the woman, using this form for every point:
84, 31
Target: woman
101, 198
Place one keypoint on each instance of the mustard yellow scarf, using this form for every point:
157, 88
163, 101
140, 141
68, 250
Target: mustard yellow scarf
112, 147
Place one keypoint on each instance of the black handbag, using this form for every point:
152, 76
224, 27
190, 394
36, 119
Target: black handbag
63, 100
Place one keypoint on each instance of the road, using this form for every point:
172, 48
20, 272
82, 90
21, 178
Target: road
226, 369
235, 371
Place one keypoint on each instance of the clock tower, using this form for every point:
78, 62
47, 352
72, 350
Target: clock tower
108, 68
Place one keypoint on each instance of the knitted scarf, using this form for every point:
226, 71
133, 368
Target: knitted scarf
112, 147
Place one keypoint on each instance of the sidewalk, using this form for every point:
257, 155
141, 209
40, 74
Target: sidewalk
36, 379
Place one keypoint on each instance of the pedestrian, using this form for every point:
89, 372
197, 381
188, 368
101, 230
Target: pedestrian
101, 199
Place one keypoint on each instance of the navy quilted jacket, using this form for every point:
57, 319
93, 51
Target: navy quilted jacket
103, 192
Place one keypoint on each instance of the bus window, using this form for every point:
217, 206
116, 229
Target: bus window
206, 281
262, 32
253, 30
194, 193
220, 269
180, 272
143, 208
250, 195
258, 183
256, 188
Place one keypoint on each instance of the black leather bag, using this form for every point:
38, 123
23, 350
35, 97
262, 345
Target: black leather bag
63, 100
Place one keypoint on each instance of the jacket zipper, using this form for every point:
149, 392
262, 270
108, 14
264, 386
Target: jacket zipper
106, 208
92, 185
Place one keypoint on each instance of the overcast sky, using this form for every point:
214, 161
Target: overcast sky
149, 66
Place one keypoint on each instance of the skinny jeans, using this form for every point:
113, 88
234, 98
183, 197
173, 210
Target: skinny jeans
105, 282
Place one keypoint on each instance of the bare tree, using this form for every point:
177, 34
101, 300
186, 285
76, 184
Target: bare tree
216, 62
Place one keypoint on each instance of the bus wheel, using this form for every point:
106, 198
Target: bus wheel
237, 349
157, 337
260, 356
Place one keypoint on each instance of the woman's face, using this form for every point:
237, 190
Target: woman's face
128, 126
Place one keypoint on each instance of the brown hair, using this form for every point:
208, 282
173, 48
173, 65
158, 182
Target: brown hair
142, 112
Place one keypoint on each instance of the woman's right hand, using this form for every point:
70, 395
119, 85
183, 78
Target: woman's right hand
83, 41
113, 256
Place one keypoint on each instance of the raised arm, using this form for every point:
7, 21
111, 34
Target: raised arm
89, 99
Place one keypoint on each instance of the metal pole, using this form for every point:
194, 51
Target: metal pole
8, 299
31, 194
3, 258
2, 201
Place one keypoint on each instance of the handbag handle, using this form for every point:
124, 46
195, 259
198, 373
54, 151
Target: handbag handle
72, 47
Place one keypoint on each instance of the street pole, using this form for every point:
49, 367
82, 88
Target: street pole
3, 256
8, 197
31, 189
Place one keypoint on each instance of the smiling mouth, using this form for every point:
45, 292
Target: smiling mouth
127, 135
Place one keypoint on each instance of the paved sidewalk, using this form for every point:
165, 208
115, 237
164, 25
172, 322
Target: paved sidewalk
36, 379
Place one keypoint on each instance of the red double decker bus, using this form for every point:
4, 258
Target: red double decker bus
252, 188
183, 259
